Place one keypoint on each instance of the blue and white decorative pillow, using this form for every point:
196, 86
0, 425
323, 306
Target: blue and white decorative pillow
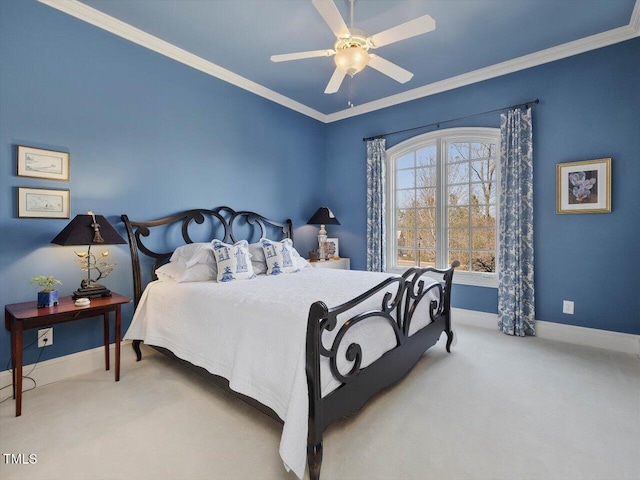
280, 256
233, 261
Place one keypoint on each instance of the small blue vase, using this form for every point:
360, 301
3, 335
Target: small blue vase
47, 299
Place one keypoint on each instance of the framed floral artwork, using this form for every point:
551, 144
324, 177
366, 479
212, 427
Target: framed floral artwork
332, 249
584, 187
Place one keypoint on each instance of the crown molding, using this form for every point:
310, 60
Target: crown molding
110, 24
117, 27
635, 18
510, 66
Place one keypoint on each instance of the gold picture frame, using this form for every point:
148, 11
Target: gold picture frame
584, 187
40, 163
43, 203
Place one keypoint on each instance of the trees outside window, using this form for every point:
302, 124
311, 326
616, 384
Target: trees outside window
442, 203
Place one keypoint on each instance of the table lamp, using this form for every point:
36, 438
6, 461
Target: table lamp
90, 230
323, 216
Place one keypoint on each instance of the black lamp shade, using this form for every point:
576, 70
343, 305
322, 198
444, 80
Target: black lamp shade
80, 231
324, 216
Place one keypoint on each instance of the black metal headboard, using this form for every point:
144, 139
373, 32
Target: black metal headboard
223, 220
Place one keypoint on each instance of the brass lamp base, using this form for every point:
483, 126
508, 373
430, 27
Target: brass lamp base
92, 291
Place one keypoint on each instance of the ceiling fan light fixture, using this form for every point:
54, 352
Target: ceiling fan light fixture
352, 45
352, 60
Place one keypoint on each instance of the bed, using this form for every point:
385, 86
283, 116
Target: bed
306, 347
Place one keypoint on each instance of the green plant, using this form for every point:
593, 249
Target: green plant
47, 283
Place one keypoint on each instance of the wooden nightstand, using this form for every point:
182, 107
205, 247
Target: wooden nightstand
23, 316
337, 263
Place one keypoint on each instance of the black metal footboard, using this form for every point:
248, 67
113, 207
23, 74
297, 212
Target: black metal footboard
398, 307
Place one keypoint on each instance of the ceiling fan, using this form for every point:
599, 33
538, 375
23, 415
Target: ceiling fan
352, 46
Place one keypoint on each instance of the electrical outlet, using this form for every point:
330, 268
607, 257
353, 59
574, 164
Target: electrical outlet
45, 337
567, 307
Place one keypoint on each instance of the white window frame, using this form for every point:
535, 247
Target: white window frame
439, 138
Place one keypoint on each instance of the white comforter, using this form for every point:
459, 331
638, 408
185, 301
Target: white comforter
253, 332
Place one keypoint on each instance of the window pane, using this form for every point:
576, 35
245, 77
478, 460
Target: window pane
405, 218
457, 173
426, 217
459, 238
405, 179
484, 239
426, 197
426, 177
406, 161
458, 217
406, 198
406, 238
483, 194
483, 216
482, 150
426, 156
457, 152
427, 238
406, 258
462, 257
483, 171
427, 258
484, 262
458, 195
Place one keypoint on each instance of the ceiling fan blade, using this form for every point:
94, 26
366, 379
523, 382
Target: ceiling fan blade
403, 31
285, 57
332, 16
336, 80
392, 70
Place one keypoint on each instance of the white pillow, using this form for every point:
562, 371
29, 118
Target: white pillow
178, 272
258, 261
233, 261
301, 262
194, 253
280, 256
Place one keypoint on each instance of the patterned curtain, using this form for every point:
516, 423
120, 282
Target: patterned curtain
376, 184
515, 288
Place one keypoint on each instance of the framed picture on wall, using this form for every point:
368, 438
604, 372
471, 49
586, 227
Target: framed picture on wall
46, 164
584, 187
43, 203
332, 248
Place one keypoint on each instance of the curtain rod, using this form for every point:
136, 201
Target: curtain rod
526, 104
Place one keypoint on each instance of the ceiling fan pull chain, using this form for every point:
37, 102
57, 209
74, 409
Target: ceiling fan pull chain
352, 2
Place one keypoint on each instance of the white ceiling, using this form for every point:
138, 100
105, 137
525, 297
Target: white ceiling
474, 40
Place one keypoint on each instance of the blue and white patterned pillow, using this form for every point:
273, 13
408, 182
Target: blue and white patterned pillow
233, 261
280, 256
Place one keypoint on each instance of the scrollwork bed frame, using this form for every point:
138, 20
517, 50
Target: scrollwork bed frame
358, 384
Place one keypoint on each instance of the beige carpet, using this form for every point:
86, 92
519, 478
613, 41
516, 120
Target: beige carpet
498, 407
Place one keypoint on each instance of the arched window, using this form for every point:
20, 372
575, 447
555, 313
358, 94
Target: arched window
442, 203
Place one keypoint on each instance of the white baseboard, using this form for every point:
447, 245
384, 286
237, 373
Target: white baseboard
67, 366
592, 337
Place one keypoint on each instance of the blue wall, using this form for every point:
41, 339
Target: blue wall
589, 109
148, 137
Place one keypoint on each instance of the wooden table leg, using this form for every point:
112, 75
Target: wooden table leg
16, 334
13, 364
118, 319
106, 341
9, 323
